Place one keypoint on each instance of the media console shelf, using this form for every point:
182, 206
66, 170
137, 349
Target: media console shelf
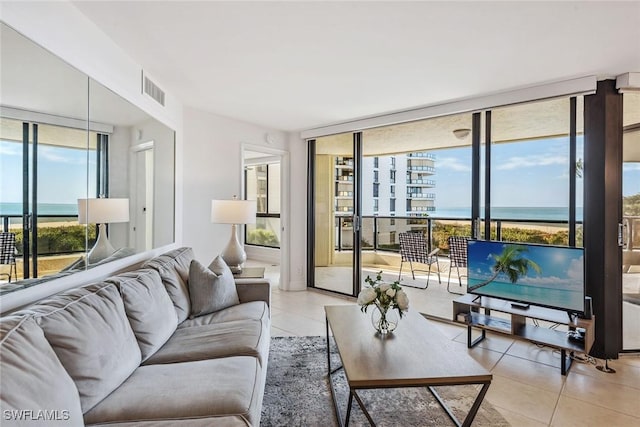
516, 325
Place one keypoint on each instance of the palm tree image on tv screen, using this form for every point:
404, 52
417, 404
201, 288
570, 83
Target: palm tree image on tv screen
549, 276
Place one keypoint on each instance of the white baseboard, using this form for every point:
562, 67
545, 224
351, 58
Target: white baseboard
296, 286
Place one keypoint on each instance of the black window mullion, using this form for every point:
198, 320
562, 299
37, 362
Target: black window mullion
34, 201
475, 174
311, 220
487, 176
357, 211
572, 170
26, 219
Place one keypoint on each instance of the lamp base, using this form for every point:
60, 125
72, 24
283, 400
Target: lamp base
234, 254
236, 269
102, 248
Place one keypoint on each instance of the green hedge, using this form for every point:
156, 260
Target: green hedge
441, 233
263, 237
60, 240
631, 205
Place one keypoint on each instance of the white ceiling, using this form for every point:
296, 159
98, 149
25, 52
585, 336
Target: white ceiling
298, 65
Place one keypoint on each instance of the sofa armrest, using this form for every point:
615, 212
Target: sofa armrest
254, 290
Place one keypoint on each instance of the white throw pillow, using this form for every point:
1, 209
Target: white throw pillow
211, 289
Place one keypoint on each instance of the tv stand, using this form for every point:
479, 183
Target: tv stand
515, 325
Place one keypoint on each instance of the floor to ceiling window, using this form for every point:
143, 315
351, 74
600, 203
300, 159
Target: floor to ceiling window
45, 169
533, 195
418, 176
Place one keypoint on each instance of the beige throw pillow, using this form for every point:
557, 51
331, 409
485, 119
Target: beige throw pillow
211, 289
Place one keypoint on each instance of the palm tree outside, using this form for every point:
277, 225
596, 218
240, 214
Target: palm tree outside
511, 263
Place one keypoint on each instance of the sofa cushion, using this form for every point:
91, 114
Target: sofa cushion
211, 289
174, 271
254, 310
91, 335
224, 421
231, 386
239, 338
32, 377
148, 307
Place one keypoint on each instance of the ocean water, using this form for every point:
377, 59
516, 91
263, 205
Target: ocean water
521, 213
15, 209
557, 297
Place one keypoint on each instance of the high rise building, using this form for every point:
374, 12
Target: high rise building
398, 185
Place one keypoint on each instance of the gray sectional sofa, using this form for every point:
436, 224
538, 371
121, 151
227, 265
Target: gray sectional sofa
125, 352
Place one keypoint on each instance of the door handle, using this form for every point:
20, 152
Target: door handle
622, 241
27, 222
356, 223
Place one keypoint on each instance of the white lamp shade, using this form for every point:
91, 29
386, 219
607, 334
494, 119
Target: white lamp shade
233, 211
103, 211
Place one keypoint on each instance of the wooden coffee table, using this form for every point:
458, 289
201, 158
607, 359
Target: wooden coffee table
416, 354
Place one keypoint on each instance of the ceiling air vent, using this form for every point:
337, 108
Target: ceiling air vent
151, 89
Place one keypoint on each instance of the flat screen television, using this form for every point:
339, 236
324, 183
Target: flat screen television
547, 276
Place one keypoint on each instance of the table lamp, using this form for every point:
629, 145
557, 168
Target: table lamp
102, 212
234, 212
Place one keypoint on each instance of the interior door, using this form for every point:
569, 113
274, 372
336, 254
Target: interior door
143, 190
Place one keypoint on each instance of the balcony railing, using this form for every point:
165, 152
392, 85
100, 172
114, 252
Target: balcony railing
344, 162
348, 194
67, 237
418, 195
423, 155
420, 168
380, 233
422, 209
421, 182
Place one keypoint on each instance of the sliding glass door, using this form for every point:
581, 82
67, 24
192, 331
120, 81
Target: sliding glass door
335, 186
631, 222
44, 171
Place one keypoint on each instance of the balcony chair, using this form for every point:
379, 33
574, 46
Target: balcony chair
8, 253
458, 257
413, 248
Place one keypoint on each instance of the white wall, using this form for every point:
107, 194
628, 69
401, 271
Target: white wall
213, 170
298, 222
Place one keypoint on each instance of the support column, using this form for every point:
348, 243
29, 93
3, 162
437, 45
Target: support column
602, 214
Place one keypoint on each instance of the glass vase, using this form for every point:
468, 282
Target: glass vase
384, 320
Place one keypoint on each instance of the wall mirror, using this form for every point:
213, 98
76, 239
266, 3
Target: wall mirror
65, 141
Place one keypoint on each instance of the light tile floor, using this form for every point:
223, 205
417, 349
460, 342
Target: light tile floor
527, 387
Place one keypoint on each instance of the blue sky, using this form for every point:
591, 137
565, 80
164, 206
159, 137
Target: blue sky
62, 175
524, 174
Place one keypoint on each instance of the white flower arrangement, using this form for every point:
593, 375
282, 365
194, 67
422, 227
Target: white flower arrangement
383, 295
